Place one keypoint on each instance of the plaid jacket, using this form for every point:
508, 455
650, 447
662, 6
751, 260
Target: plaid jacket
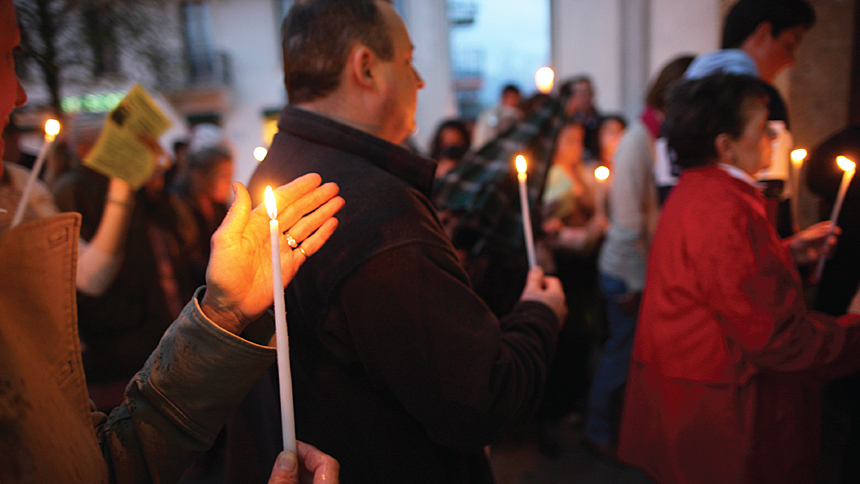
481, 192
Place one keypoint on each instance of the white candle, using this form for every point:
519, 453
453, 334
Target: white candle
601, 173
797, 157
52, 127
849, 168
285, 379
524, 205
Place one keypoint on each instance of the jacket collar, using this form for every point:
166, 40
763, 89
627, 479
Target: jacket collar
413, 168
742, 182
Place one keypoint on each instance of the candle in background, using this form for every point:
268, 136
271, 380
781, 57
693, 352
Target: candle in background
601, 173
260, 153
797, 157
52, 128
849, 167
285, 379
522, 166
544, 79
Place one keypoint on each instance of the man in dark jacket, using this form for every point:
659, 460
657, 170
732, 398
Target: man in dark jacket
400, 371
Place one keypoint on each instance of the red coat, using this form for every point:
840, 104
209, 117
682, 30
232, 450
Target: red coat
727, 362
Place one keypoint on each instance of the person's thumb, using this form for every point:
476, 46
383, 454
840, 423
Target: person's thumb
285, 469
534, 278
239, 213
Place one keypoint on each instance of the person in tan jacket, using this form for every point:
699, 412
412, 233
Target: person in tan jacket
196, 377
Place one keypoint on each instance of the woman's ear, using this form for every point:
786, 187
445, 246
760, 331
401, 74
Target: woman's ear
725, 147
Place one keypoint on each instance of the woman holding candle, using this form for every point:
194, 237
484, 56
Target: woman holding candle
569, 196
727, 364
573, 229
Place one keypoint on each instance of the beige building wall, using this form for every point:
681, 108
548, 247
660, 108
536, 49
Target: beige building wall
622, 43
586, 39
427, 21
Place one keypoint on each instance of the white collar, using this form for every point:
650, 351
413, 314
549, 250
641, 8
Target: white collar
736, 172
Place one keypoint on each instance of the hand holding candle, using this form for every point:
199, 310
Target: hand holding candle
849, 168
522, 166
285, 380
239, 277
52, 128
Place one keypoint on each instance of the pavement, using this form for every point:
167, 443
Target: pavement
556, 455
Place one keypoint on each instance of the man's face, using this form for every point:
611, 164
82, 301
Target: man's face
399, 82
511, 99
581, 98
778, 51
221, 182
11, 93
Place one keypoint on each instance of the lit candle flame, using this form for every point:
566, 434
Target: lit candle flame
601, 173
522, 166
544, 78
260, 153
845, 163
52, 128
798, 155
271, 207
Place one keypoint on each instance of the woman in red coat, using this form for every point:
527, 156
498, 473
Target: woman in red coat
727, 361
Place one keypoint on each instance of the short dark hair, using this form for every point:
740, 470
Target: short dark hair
699, 110
671, 73
206, 159
317, 36
566, 89
510, 88
573, 123
436, 148
605, 118
746, 15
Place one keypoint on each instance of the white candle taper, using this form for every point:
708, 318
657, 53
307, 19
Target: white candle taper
601, 173
524, 206
849, 168
797, 157
285, 379
52, 127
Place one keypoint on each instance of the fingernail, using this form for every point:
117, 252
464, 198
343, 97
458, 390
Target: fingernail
287, 461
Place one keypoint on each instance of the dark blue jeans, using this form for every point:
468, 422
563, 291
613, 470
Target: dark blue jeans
604, 400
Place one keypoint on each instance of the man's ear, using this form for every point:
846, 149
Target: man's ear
762, 32
725, 147
360, 64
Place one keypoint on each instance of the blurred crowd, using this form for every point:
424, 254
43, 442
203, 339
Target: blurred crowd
695, 341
